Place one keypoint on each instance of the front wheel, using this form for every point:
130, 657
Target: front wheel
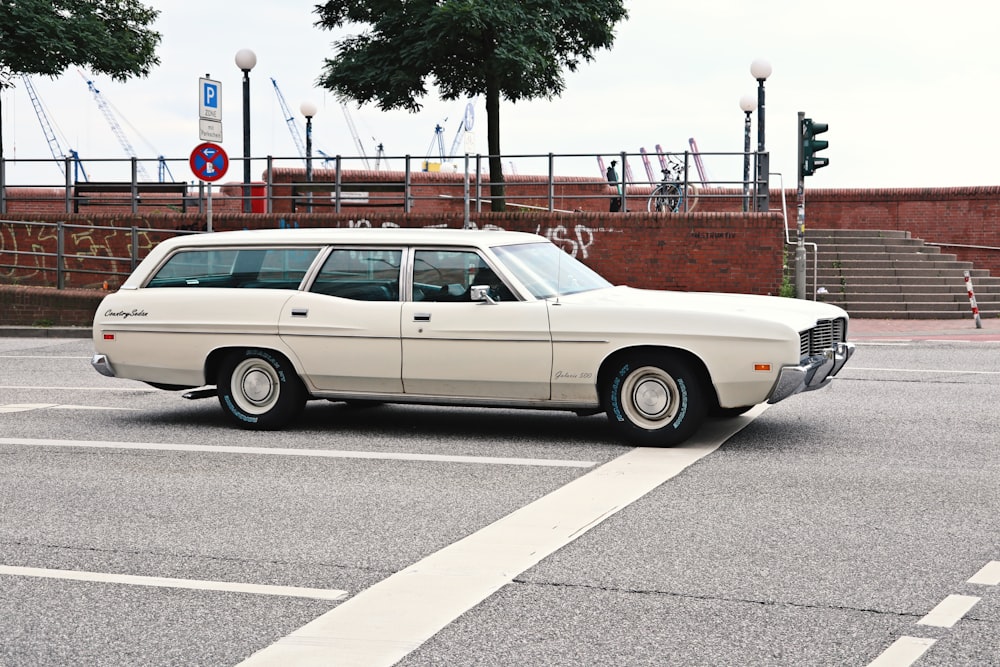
654, 399
259, 389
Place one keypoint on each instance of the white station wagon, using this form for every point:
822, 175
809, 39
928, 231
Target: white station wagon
273, 318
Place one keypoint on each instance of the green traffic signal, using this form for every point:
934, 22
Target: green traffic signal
811, 145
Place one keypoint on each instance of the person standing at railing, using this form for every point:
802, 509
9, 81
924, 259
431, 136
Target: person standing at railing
616, 202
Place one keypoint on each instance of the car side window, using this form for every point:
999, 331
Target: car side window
255, 268
361, 274
448, 275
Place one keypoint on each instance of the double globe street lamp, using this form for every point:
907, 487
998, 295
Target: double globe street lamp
761, 69
748, 104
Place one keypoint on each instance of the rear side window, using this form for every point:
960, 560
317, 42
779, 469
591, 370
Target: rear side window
361, 274
255, 268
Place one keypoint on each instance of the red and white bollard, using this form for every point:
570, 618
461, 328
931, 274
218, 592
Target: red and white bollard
972, 300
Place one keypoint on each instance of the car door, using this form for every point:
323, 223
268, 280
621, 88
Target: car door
345, 329
455, 347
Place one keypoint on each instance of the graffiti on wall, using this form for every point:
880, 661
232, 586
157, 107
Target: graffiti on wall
576, 240
28, 254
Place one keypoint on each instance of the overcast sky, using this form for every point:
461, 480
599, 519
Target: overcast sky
908, 89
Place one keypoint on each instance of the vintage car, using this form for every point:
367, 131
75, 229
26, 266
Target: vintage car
273, 318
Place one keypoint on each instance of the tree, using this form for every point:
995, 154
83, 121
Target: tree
46, 37
515, 49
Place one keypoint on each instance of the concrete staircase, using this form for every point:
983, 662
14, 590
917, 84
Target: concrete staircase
889, 275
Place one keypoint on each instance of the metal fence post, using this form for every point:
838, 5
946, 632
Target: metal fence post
466, 207
135, 247
406, 186
60, 250
621, 181
684, 185
338, 182
135, 187
270, 184
552, 182
479, 183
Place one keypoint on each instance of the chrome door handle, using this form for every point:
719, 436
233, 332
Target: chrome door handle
300, 312
421, 317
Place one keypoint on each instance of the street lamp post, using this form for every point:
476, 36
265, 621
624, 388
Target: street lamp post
748, 104
308, 110
760, 70
246, 60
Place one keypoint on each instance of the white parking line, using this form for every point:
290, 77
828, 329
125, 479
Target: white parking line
27, 407
281, 451
989, 575
135, 387
41, 356
949, 611
165, 582
385, 622
952, 371
903, 652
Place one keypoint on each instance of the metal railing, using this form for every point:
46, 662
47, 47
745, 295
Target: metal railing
53, 265
537, 181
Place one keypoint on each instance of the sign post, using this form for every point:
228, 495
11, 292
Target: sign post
209, 163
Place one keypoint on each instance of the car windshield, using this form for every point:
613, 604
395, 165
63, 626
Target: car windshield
548, 271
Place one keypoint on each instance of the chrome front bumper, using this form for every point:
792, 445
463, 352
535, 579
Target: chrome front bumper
813, 373
102, 365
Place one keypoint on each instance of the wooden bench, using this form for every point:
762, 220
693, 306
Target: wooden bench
82, 191
351, 194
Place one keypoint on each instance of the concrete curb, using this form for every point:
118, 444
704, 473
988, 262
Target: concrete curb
45, 332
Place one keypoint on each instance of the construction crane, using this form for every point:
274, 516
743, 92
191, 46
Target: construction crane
115, 127
698, 163
50, 137
463, 127
293, 127
354, 134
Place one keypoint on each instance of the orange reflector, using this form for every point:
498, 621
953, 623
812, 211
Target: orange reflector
766, 368
109, 336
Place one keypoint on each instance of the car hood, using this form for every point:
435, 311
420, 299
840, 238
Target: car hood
798, 314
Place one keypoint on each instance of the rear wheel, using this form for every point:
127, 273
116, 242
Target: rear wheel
259, 389
654, 399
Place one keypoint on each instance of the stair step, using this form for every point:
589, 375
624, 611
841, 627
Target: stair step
985, 292
828, 276
888, 273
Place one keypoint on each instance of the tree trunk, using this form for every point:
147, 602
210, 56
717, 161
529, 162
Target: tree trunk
493, 144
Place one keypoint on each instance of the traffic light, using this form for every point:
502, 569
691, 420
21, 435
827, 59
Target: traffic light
811, 145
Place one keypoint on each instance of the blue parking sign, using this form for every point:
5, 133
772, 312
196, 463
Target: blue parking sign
209, 99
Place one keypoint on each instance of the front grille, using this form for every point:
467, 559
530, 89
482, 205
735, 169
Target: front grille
822, 336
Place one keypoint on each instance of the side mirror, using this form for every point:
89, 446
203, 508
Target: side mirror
481, 293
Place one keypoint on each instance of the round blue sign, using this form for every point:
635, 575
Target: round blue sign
209, 162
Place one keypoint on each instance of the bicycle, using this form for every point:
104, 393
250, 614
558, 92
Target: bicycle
672, 194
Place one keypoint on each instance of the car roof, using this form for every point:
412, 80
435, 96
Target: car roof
362, 235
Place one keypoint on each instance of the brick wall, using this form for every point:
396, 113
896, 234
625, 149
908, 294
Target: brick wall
716, 248
23, 305
722, 252
955, 217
